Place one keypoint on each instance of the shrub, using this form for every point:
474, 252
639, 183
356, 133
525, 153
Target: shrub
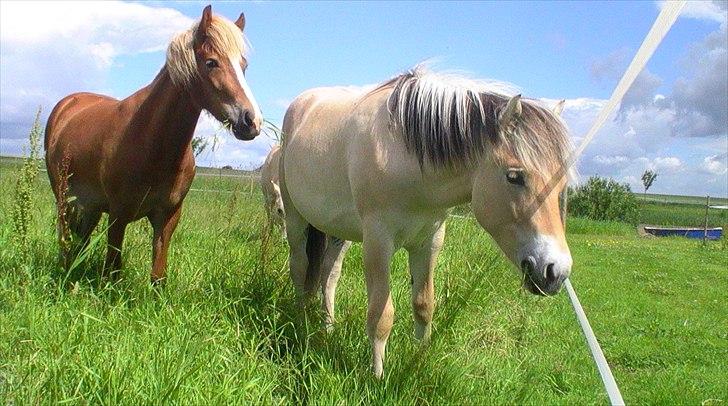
603, 199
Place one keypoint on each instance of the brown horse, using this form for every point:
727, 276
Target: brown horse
132, 158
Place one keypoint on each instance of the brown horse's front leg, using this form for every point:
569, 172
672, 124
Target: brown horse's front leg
164, 225
117, 227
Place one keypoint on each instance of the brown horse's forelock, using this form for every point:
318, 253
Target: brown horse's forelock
454, 124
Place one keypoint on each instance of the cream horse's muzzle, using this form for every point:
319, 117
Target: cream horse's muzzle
545, 266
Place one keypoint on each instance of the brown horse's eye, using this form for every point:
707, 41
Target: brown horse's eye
515, 177
211, 63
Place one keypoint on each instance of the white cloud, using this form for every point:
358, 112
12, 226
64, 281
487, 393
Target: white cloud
715, 165
668, 163
130, 27
610, 160
703, 10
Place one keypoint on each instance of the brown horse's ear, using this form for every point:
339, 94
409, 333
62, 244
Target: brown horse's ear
240, 22
511, 112
559, 108
205, 23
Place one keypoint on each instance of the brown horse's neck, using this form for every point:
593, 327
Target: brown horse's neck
165, 120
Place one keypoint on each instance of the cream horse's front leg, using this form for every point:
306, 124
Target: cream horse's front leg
378, 250
422, 262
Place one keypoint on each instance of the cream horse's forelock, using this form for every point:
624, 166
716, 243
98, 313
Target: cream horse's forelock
448, 119
223, 36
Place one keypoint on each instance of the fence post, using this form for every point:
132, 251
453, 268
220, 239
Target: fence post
705, 224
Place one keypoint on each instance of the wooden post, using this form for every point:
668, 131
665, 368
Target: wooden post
705, 224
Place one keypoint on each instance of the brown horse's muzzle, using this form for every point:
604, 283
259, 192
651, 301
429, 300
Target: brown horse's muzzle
246, 126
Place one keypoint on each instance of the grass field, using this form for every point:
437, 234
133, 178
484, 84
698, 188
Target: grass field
225, 328
695, 200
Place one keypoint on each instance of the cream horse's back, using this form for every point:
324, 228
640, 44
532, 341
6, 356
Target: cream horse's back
382, 166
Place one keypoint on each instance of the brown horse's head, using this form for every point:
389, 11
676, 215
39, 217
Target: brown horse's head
516, 190
209, 60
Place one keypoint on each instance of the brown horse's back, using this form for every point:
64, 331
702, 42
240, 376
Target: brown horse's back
69, 107
73, 135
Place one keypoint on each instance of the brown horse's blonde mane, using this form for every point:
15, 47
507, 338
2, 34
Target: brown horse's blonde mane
223, 36
450, 121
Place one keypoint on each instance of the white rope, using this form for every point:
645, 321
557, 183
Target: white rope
615, 397
667, 17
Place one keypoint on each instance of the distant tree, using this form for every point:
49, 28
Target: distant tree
228, 167
199, 145
647, 178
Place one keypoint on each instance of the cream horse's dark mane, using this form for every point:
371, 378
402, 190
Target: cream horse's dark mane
451, 121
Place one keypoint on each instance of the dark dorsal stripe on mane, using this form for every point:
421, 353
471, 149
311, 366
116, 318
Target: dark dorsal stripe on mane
450, 121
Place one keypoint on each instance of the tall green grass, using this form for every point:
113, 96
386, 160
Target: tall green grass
681, 214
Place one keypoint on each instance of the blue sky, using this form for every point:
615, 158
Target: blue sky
551, 50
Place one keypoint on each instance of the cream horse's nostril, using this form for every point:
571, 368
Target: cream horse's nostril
528, 265
549, 273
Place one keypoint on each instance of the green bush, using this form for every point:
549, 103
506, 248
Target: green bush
603, 199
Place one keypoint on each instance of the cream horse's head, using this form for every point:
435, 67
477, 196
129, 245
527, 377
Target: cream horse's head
515, 194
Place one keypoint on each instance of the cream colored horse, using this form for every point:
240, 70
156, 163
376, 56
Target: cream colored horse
269, 181
382, 165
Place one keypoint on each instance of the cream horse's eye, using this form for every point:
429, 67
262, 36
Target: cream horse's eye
515, 177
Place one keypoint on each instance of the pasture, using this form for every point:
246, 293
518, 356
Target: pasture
226, 329
687, 211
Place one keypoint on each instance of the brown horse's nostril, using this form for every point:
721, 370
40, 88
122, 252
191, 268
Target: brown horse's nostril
550, 274
248, 119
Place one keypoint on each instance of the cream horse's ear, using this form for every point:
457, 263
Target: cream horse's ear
559, 108
511, 112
